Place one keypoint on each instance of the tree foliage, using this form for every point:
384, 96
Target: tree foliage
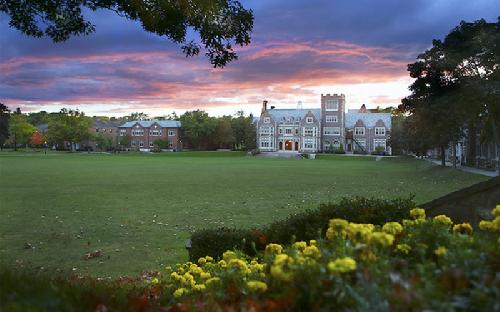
220, 24
69, 126
20, 130
457, 86
4, 124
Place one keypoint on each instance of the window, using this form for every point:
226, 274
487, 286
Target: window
288, 131
170, 144
331, 130
309, 119
123, 132
280, 130
308, 131
332, 105
265, 130
360, 144
331, 118
172, 132
266, 142
379, 130
267, 119
379, 143
132, 143
137, 132
309, 143
141, 144
151, 144
359, 130
96, 129
296, 130
155, 132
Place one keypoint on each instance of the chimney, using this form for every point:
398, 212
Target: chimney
363, 109
264, 106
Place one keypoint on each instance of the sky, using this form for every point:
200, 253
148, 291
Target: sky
300, 49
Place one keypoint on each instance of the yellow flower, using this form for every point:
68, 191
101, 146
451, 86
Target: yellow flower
199, 287
176, 276
486, 225
180, 292
256, 286
403, 248
202, 261
300, 245
205, 275
222, 264
464, 228
228, 255
194, 269
338, 224
381, 239
443, 220
239, 264
274, 248
278, 273
417, 213
440, 251
359, 231
312, 251
155, 281
342, 265
209, 259
212, 280
188, 279
313, 242
393, 228
496, 211
496, 224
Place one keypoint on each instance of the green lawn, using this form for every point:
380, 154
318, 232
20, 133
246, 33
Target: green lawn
139, 209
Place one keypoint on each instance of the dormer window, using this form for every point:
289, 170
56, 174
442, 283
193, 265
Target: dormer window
359, 130
267, 119
379, 130
309, 119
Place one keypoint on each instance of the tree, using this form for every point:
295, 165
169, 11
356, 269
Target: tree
69, 126
220, 24
138, 116
244, 131
103, 142
161, 144
19, 129
4, 124
37, 139
124, 141
197, 128
223, 135
38, 118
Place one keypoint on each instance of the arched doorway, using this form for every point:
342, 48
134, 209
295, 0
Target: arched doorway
281, 146
288, 145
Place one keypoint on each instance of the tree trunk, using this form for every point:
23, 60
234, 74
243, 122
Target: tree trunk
454, 153
443, 156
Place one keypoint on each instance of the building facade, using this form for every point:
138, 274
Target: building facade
323, 129
144, 133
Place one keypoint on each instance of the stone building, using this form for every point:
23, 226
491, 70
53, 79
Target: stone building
328, 128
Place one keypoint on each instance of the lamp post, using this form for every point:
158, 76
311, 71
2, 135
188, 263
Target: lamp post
45, 145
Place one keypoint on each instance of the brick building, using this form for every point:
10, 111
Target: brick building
144, 133
323, 129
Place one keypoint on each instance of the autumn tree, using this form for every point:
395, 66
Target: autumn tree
37, 139
220, 24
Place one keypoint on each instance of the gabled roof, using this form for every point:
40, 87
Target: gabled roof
369, 119
99, 123
278, 114
149, 123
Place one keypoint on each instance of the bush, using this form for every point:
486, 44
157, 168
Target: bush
418, 264
304, 226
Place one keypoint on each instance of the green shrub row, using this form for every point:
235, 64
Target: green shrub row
304, 226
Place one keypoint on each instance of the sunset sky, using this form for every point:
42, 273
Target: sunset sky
299, 50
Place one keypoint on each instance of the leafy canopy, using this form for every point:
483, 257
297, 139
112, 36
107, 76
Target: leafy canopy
220, 24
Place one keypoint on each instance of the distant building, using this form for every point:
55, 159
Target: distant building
323, 129
143, 133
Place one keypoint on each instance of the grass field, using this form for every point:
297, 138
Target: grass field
139, 209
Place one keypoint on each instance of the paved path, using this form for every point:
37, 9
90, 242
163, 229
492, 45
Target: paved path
467, 169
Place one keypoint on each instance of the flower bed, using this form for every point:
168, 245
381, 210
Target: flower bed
414, 264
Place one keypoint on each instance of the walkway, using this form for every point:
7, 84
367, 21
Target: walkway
466, 168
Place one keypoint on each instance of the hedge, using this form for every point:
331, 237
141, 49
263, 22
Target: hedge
304, 226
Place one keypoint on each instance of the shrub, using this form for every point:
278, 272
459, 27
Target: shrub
417, 265
302, 226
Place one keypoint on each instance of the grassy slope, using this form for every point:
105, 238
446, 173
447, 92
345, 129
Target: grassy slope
69, 204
